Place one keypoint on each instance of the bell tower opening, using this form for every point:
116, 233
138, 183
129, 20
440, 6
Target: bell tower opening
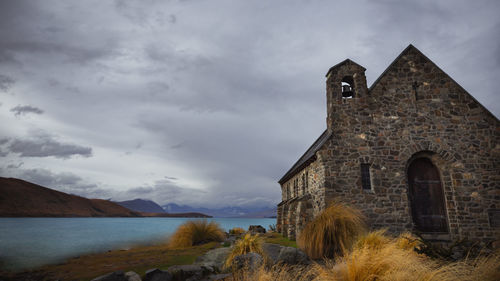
347, 87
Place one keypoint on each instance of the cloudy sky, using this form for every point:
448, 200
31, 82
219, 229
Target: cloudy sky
206, 103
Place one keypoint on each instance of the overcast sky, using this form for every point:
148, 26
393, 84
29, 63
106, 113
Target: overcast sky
206, 103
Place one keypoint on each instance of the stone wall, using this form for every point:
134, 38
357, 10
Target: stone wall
298, 208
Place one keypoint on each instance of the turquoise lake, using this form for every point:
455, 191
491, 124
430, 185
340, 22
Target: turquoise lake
27, 243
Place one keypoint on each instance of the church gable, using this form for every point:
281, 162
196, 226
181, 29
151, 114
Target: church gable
413, 81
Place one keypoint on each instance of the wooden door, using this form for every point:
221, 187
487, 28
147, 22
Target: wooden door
426, 196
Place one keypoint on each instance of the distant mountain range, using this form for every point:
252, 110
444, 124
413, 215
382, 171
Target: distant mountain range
226, 212
141, 205
19, 198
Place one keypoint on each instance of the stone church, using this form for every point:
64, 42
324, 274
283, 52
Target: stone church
414, 152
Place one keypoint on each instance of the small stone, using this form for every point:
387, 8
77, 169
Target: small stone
219, 277
256, 229
290, 255
157, 275
113, 276
272, 251
132, 276
189, 271
214, 258
250, 261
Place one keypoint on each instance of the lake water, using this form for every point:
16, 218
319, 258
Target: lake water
31, 242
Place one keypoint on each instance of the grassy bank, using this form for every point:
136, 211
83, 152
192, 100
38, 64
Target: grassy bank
138, 259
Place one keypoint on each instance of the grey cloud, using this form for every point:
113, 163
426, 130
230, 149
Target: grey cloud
140, 190
164, 191
47, 36
75, 54
172, 18
14, 166
46, 146
2, 142
143, 13
6, 82
177, 146
24, 109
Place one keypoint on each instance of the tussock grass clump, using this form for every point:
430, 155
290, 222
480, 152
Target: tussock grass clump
332, 232
236, 231
249, 243
378, 261
196, 232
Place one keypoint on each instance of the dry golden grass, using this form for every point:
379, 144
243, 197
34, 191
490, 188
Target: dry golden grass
379, 257
276, 273
408, 241
332, 232
482, 268
375, 239
194, 233
236, 231
377, 263
248, 243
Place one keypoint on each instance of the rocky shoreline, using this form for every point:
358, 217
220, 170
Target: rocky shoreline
210, 266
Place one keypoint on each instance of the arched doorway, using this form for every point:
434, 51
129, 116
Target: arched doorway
426, 197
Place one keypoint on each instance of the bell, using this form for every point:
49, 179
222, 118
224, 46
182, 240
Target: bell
346, 91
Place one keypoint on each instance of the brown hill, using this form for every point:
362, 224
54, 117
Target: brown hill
20, 198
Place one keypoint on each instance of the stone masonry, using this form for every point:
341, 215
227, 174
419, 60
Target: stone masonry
413, 113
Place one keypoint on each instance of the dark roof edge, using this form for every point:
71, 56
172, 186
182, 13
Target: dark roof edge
341, 63
304, 159
408, 48
296, 169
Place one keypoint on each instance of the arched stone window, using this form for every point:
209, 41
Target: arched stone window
303, 184
294, 191
347, 87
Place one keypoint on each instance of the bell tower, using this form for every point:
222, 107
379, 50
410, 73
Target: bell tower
345, 90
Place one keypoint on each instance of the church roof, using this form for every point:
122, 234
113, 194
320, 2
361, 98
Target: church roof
306, 158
